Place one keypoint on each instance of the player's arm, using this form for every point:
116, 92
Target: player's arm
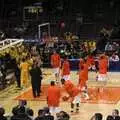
60, 64
51, 60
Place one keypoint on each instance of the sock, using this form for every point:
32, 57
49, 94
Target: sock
77, 107
72, 107
86, 95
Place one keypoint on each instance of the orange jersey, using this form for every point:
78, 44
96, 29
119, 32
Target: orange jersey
82, 75
68, 86
81, 63
71, 89
103, 64
65, 68
90, 60
53, 96
85, 70
75, 91
82, 78
55, 60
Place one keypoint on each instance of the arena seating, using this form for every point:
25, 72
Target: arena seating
7, 62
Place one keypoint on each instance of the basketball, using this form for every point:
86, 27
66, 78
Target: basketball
65, 98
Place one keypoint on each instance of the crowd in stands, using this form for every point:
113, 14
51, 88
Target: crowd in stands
10, 60
112, 47
74, 49
22, 112
113, 116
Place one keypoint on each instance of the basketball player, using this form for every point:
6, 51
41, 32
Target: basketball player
83, 77
91, 63
102, 75
66, 69
53, 98
74, 94
103, 67
81, 63
55, 63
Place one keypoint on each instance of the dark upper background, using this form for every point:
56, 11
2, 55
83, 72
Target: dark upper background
91, 8
55, 11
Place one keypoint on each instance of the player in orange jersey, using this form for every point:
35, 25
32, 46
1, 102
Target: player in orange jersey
66, 69
83, 77
103, 68
102, 75
91, 63
81, 62
53, 98
56, 63
73, 92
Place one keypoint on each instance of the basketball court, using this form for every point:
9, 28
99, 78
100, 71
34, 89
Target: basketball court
103, 100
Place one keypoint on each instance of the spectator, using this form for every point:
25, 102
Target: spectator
40, 115
15, 113
47, 115
114, 62
2, 112
63, 116
114, 46
97, 116
114, 57
30, 114
117, 118
115, 113
21, 114
109, 117
108, 47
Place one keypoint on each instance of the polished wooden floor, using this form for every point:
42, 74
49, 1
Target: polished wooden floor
7, 96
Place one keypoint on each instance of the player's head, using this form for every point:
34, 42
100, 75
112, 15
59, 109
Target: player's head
65, 57
101, 57
52, 83
23, 60
115, 112
85, 60
62, 81
54, 51
81, 60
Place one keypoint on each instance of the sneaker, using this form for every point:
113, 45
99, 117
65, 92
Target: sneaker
57, 82
87, 98
71, 111
77, 110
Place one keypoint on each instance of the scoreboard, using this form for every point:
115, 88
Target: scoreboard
32, 13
